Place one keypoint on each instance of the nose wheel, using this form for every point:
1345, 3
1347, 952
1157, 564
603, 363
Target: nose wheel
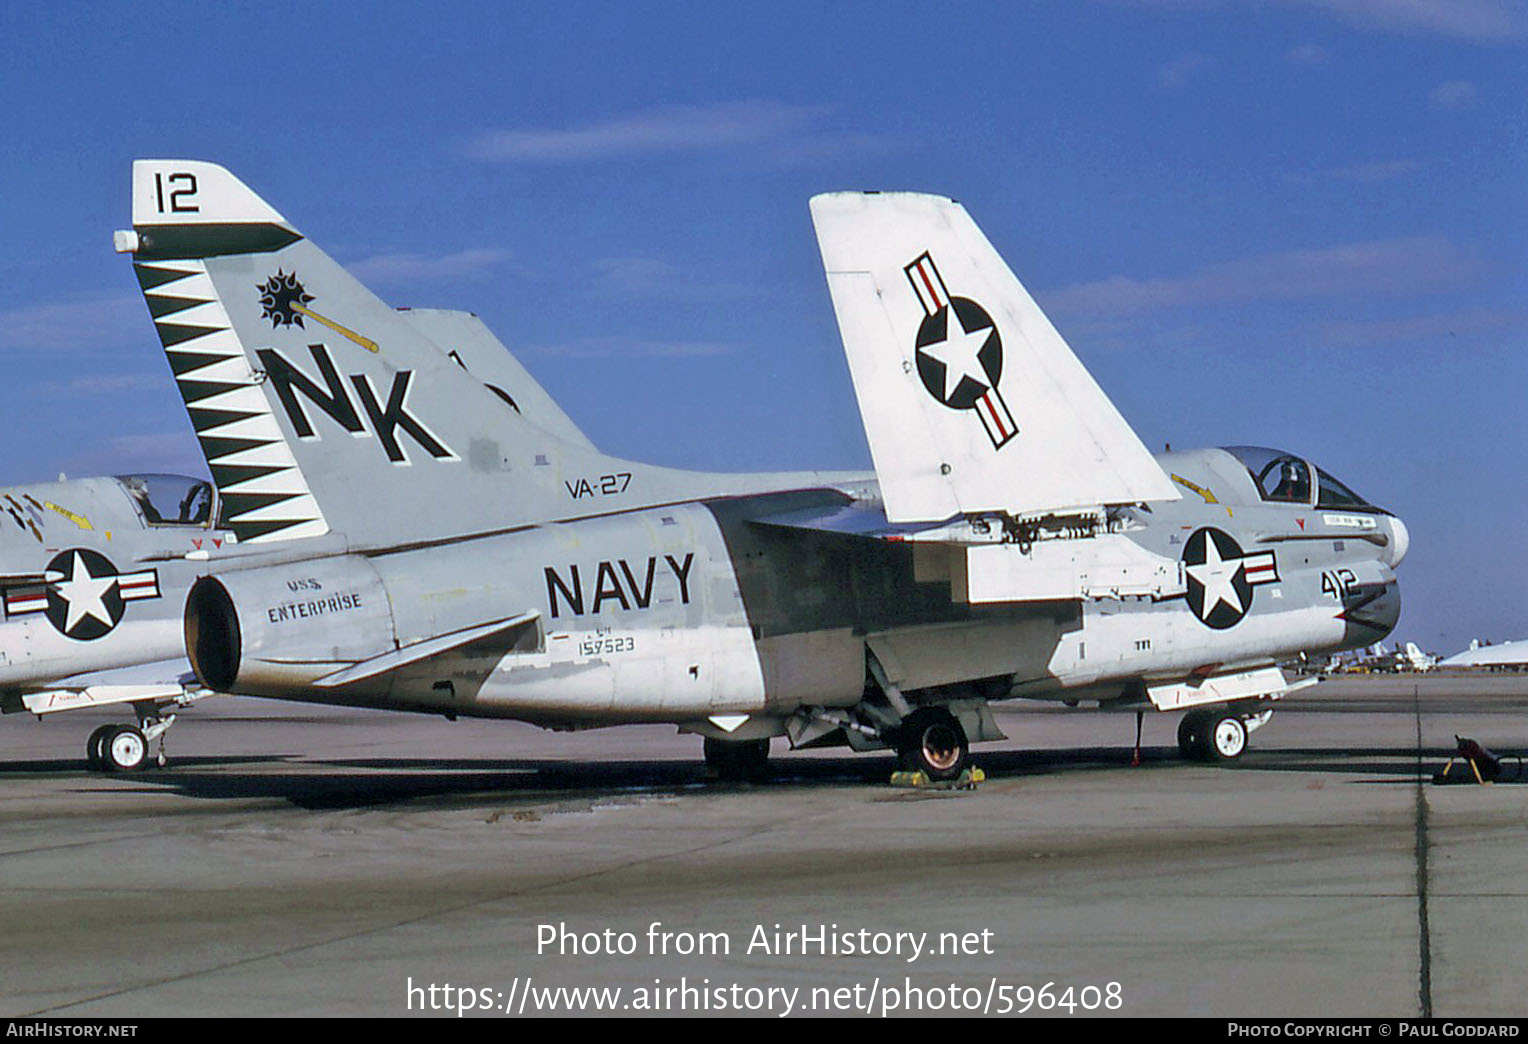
125, 748
1214, 735
1227, 739
117, 748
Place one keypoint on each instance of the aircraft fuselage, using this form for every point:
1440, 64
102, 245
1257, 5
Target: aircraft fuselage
685, 612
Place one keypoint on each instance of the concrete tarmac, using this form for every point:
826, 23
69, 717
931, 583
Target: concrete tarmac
297, 860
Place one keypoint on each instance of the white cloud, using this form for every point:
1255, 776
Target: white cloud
630, 347
1452, 96
1482, 20
1381, 268
638, 275
1371, 172
815, 146
1470, 325
1307, 54
95, 385
651, 277
405, 267
1381, 170
674, 128
84, 321
1462, 19
1176, 73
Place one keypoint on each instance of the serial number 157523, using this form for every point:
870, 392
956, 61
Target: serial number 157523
604, 645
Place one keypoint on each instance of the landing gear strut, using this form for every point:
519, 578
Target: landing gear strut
931, 740
738, 760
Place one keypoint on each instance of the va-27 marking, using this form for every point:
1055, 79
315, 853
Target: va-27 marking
603, 486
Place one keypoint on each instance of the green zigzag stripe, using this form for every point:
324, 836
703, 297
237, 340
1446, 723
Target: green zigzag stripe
151, 276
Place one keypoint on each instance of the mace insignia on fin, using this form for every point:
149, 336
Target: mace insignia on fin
282, 298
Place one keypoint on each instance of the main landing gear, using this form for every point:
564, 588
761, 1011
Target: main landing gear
932, 740
1217, 734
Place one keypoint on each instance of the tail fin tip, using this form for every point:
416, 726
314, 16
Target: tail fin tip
193, 209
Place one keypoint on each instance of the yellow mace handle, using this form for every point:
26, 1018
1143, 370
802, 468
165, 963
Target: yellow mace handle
364, 342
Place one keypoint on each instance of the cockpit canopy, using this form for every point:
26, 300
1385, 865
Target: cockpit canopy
1283, 478
171, 500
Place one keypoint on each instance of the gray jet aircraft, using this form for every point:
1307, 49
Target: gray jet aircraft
94, 572
408, 539
94, 584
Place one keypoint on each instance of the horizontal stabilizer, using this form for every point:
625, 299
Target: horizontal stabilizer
420, 651
861, 520
971, 400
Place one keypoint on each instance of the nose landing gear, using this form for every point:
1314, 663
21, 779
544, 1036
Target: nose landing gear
1219, 734
125, 748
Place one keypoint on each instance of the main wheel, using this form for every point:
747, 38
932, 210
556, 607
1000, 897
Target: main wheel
738, 760
1227, 738
124, 750
932, 740
95, 748
1192, 733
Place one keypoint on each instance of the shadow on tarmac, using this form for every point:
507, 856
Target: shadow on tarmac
337, 784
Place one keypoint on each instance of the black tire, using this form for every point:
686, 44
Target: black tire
95, 757
738, 761
1226, 739
1193, 735
931, 740
125, 749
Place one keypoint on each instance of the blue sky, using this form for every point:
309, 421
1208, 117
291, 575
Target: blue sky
1296, 223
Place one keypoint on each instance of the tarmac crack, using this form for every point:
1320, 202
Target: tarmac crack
91, 842
1424, 932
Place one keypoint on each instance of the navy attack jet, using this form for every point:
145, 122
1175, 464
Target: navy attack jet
94, 574
93, 577
408, 540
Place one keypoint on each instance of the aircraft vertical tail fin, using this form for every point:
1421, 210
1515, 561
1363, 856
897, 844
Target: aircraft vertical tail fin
185, 215
971, 400
320, 408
